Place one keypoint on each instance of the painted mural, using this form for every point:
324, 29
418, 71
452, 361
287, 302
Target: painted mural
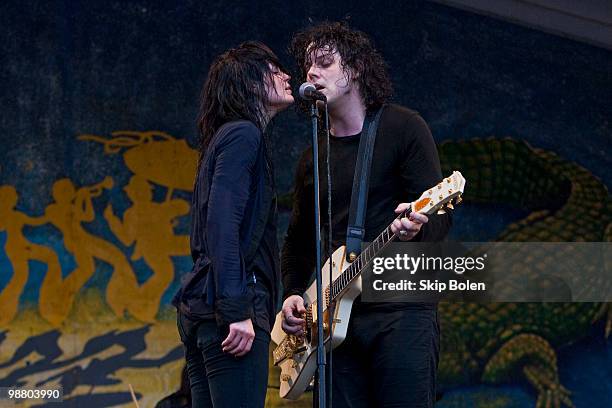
119, 322
94, 220
54, 343
146, 227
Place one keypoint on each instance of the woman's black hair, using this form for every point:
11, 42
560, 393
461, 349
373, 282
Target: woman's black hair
236, 89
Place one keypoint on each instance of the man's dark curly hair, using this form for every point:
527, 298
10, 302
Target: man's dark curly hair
358, 56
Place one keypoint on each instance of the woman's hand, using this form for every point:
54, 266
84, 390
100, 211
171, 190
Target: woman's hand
240, 338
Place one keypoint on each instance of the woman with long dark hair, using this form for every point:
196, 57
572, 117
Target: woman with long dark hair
227, 302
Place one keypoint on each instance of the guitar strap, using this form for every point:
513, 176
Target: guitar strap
355, 231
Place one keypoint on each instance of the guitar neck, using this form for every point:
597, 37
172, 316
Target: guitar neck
366, 256
432, 200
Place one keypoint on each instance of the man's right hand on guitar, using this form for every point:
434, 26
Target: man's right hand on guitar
293, 312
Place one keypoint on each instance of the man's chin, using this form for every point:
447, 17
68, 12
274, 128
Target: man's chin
331, 102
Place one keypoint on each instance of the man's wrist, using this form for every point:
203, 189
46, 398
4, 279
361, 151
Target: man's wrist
298, 291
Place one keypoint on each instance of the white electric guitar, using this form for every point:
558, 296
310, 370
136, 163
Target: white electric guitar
295, 355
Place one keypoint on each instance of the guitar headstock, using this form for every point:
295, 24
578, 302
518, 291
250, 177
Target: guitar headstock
441, 196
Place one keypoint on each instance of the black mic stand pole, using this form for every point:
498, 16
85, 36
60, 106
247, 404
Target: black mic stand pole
319, 278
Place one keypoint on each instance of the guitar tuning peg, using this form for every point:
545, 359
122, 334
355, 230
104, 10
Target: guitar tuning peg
450, 206
441, 212
458, 200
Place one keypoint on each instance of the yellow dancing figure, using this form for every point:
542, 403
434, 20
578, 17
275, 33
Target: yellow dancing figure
150, 225
71, 208
20, 251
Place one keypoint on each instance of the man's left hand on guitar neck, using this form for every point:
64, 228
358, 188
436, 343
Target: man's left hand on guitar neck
408, 227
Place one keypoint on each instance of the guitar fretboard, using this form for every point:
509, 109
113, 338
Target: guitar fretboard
366, 256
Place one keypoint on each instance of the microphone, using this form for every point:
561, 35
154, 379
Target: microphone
309, 92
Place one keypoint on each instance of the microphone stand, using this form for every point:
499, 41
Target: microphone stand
319, 278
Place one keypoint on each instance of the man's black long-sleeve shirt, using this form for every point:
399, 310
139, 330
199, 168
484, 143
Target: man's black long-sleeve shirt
404, 164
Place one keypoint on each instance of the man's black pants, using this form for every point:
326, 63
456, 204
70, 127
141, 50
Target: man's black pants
389, 359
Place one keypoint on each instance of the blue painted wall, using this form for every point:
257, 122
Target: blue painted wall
74, 67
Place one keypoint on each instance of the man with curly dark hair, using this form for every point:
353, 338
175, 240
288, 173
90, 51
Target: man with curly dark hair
390, 355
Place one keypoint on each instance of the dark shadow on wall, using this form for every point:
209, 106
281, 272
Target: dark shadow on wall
84, 369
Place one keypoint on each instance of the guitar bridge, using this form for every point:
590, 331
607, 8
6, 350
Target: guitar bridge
288, 347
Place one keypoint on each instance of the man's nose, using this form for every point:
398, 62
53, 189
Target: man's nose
312, 73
